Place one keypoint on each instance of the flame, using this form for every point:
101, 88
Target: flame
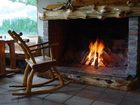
94, 56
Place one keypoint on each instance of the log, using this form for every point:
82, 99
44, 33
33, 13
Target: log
77, 3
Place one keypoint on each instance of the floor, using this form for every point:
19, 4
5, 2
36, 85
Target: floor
72, 94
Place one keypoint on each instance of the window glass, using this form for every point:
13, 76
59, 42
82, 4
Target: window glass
18, 15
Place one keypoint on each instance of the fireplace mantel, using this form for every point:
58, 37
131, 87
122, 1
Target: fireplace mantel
89, 11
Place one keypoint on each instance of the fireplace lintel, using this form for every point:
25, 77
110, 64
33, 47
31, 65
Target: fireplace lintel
75, 9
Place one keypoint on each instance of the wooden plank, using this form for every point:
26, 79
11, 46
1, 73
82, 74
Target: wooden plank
114, 83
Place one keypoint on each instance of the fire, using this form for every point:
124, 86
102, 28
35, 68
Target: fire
94, 57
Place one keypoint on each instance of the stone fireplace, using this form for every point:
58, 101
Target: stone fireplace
96, 47
120, 37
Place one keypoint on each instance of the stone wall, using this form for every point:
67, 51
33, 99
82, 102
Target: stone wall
132, 46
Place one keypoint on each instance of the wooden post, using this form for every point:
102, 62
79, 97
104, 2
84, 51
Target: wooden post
2, 59
12, 54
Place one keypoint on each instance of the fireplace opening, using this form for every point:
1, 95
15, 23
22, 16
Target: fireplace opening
79, 34
113, 45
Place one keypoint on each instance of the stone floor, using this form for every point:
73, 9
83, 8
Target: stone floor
72, 94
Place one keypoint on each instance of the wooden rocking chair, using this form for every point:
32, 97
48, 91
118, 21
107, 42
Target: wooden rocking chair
41, 63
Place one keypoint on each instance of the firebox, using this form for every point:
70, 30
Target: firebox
109, 35
102, 52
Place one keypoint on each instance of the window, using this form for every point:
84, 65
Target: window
18, 15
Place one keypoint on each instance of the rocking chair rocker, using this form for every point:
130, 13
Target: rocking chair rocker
41, 63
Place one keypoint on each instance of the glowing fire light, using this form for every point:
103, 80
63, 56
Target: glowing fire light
94, 57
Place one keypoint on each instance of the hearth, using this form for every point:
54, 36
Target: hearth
119, 53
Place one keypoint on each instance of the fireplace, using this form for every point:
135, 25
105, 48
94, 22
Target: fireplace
119, 38
98, 41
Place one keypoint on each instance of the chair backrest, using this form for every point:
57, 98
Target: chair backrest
17, 38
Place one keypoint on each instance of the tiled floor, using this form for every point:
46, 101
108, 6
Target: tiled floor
72, 94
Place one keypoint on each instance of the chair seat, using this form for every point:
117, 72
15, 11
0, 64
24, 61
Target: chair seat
41, 63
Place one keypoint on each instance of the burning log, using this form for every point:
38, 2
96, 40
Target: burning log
94, 55
96, 61
106, 58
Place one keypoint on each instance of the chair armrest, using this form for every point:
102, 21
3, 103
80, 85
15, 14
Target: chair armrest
37, 45
43, 46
